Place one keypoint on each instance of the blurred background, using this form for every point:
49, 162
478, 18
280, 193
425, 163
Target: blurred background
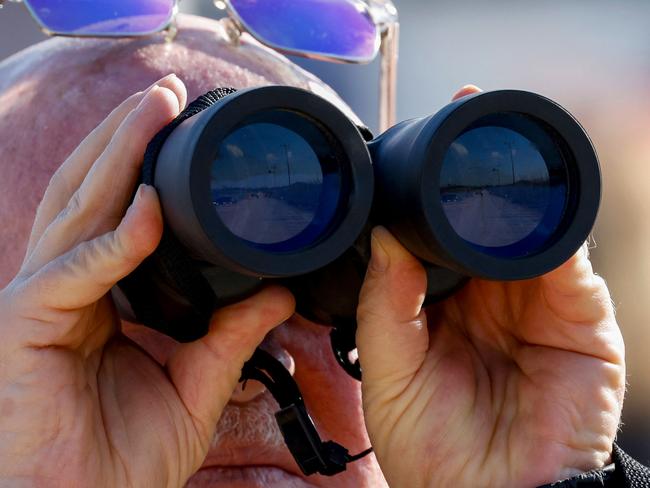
592, 56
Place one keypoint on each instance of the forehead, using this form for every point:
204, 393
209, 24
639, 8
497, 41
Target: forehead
53, 94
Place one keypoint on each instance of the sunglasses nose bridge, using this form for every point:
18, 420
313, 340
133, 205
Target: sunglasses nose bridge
170, 31
232, 28
231, 25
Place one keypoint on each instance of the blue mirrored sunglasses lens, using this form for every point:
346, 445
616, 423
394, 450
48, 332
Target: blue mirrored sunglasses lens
503, 186
339, 28
277, 181
102, 17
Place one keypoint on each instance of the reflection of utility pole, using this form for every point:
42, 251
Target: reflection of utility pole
495, 170
512, 162
479, 175
286, 151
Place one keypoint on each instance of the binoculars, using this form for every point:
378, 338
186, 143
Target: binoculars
276, 183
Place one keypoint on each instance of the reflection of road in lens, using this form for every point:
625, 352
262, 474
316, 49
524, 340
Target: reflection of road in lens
274, 219
495, 220
503, 187
276, 181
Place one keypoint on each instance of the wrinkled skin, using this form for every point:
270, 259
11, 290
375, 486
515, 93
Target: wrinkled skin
512, 384
504, 384
51, 97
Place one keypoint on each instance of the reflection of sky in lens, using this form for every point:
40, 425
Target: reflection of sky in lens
330, 27
276, 181
496, 190
102, 16
265, 155
266, 183
493, 156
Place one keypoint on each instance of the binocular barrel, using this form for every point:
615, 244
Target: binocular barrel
276, 182
502, 185
269, 182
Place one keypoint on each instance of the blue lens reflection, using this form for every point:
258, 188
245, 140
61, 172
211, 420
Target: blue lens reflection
277, 181
108, 17
341, 28
503, 186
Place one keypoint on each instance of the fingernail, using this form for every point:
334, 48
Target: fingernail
167, 77
138, 194
144, 189
380, 260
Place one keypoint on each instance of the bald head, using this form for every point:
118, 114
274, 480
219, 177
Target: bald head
53, 94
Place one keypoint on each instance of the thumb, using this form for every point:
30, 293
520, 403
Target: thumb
205, 372
392, 336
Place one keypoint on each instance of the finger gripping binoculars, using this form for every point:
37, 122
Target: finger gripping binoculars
276, 183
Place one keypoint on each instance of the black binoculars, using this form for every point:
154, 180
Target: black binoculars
277, 183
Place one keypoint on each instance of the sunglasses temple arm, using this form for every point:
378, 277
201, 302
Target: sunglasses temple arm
388, 76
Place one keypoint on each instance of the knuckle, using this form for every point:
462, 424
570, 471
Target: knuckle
243, 311
80, 263
117, 247
85, 258
367, 311
90, 212
120, 248
48, 283
74, 207
600, 285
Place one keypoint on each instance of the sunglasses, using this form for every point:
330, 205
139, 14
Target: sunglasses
344, 31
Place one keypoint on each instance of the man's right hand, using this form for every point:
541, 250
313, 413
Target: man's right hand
80, 404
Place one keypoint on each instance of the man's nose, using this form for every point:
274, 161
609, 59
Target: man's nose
254, 388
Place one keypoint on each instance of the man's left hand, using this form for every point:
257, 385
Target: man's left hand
503, 384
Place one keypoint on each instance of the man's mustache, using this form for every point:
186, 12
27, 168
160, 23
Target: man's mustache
252, 423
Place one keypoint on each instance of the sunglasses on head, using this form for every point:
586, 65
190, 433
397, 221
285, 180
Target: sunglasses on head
345, 31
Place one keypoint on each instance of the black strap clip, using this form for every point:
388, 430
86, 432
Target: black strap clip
300, 435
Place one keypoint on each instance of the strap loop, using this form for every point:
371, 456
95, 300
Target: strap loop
310, 452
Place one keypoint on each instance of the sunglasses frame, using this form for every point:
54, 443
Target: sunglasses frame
386, 44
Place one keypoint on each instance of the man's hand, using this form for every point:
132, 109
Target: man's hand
80, 404
511, 384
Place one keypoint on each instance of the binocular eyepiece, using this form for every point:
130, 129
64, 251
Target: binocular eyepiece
502, 185
268, 182
276, 182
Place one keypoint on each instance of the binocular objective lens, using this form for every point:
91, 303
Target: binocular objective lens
504, 184
277, 181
